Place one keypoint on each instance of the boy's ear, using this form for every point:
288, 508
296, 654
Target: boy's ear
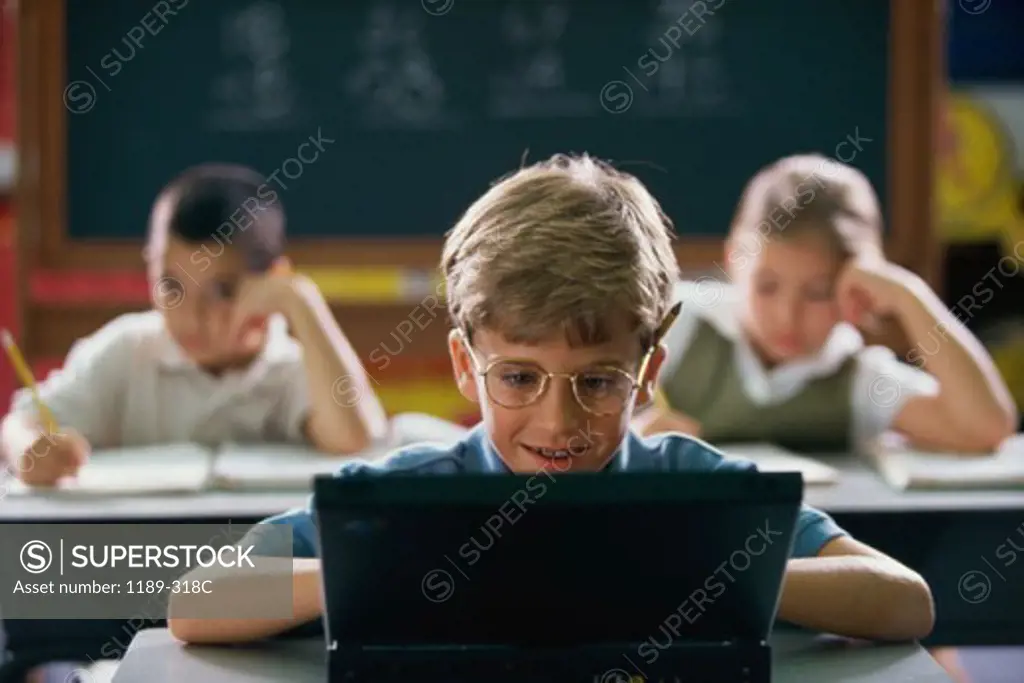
462, 366
645, 394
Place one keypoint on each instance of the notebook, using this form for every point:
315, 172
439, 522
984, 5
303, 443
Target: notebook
905, 468
164, 469
193, 468
769, 458
273, 467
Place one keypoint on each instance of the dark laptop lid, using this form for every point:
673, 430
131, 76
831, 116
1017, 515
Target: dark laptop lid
553, 561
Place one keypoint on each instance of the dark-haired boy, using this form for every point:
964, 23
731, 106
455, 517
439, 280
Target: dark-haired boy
213, 360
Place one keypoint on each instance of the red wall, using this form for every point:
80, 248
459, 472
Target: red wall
7, 277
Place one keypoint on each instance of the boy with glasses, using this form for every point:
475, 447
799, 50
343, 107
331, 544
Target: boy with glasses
559, 282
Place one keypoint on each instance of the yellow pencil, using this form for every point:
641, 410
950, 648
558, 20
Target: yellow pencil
666, 324
25, 375
659, 335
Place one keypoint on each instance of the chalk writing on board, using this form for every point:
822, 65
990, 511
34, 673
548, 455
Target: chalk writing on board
670, 83
535, 81
683, 71
710, 85
256, 92
693, 21
669, 33
395, 82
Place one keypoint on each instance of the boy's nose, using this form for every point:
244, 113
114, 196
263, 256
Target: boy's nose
559, 407
789, 316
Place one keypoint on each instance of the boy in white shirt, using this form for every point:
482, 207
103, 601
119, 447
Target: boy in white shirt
212, 361
777, 355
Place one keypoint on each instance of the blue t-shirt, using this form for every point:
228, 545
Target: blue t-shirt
475, 455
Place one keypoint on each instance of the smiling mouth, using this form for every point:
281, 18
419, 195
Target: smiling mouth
558, 453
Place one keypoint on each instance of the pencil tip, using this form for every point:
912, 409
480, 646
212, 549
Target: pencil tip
6, 338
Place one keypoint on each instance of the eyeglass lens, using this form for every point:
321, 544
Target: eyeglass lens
600, 390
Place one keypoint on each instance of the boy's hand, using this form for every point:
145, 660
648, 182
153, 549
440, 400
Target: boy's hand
257, 298
869, 290
53, 457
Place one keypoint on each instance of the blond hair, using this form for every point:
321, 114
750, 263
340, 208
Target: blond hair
562, 246
811, 194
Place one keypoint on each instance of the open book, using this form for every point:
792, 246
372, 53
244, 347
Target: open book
191, 468
273, 467
903, 467
769, 458
164, 469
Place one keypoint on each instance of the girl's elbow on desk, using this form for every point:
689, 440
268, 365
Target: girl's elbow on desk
929, 424
986, 432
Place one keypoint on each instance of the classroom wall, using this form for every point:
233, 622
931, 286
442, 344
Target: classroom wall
997, 206
982, 215
1007, 102
407, 384
8, 306
54, 318
985, 65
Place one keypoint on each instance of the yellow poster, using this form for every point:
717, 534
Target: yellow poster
979, 201
977, 192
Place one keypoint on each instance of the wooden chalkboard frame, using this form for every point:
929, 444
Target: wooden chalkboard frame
915, 82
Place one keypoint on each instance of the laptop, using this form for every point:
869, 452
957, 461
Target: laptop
594, 578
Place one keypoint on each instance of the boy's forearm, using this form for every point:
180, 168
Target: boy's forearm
858, 597
971, 386
345, 414
233, 593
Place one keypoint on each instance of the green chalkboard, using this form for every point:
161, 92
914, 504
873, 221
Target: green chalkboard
418, 105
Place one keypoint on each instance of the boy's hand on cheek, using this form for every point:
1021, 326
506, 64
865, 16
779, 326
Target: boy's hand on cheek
869, 290
257, 298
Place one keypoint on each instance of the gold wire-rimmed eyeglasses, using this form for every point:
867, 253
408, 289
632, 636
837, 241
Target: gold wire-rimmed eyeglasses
600, 390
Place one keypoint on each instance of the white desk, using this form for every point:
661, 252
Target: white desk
860, 490
942, 525
155, 657
183, 508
